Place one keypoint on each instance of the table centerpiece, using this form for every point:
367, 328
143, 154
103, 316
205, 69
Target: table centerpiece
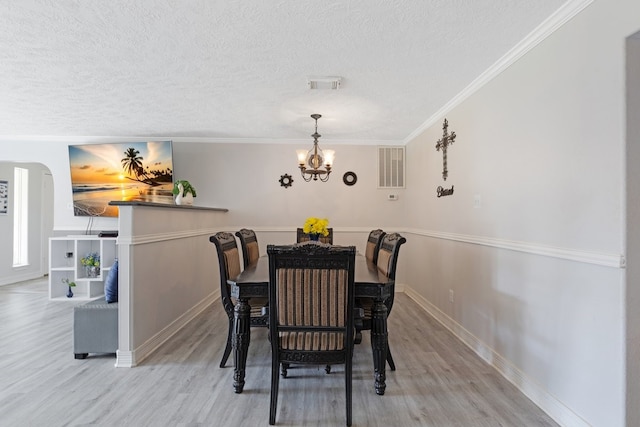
316, 227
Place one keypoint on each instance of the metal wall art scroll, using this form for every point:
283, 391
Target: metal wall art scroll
446, 140
444, 191
286, 180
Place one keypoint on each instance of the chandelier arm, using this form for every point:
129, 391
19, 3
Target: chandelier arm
306, 176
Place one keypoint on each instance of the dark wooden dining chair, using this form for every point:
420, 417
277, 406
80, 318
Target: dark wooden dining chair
301, 236
374, 240
373, 245
311, 295
386, 263
249, 245
229, 260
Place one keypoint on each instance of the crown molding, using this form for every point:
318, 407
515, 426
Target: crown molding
541, 32
88, 139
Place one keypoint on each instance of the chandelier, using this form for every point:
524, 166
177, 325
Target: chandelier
315, 164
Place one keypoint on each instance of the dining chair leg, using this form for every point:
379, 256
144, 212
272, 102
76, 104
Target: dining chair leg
275, 381
392, 364
379, 341
227, 349
348, 373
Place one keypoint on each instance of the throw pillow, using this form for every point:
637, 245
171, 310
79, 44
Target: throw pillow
111, 284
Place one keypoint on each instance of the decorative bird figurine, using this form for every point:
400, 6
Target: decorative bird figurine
182, 198
179, 196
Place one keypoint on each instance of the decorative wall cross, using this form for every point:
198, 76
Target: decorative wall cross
447, 139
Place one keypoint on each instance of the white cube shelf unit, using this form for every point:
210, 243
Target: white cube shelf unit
64, 263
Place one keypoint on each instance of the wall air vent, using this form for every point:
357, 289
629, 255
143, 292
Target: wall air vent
391, 167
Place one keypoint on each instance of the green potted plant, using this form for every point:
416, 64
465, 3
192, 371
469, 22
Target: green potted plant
184, 192
69, 283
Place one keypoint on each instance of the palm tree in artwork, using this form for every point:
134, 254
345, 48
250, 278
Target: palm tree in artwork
132, 163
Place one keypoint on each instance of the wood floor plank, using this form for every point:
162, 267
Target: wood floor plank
439, 381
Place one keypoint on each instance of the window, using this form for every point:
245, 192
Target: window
20, 217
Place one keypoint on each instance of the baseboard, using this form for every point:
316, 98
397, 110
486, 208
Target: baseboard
548, 403
124, 359
130, 359
16, 278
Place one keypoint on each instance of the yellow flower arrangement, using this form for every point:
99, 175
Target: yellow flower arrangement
315, 225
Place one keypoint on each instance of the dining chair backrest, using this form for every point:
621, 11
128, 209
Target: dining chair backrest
249, 245
388, 254
373, 245
229, 261
301, 236
230, 268
387, 262
311, 296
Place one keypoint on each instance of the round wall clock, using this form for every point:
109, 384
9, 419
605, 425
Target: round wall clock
349, 178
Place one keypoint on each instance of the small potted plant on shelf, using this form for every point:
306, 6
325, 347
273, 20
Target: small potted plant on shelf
184, 192
70, 284
91, 263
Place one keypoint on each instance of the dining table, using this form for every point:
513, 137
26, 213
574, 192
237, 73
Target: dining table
253, 282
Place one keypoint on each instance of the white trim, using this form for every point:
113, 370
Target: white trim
124, 359
607, 260
130, 359
21, 277
541, 32
192, 139
161, 237
578, 255
547, 402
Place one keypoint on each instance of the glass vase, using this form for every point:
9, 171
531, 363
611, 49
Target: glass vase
93, 271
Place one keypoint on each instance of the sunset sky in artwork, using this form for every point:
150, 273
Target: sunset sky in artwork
102, 163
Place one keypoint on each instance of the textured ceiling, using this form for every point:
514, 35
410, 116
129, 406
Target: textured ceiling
237, 70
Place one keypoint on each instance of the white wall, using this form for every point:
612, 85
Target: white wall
167, 274
245, 179
542, 146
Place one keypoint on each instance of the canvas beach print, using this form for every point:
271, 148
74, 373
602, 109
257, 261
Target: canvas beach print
128, 171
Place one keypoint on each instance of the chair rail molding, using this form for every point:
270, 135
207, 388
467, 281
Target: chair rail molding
598, 258
578, 255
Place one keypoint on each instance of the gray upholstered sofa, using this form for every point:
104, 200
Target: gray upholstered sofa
95, 328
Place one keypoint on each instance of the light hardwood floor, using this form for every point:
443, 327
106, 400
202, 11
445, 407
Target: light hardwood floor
439, 381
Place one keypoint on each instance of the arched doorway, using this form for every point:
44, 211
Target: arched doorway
40, 223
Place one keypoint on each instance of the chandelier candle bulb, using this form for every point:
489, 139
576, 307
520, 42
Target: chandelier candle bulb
328, 157
302, 156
